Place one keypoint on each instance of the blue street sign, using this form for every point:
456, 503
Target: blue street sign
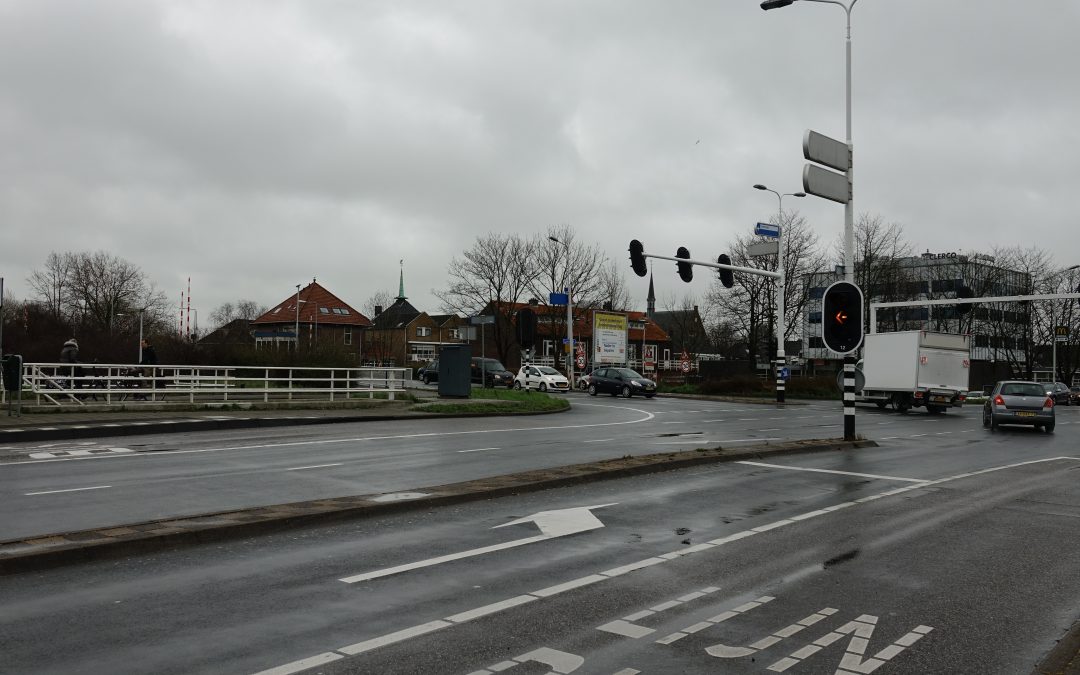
767, 230
558, 298
564, 340
785, 374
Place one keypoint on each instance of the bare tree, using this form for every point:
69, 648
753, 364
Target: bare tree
749, 308
612, 288
379, 300
227, 312
496, 272
879, 248
52, 283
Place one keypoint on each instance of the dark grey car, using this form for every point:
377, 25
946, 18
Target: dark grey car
1019, 402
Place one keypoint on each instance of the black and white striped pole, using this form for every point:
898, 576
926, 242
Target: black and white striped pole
842, 332
849, 397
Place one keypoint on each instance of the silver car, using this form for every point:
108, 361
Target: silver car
1019, 402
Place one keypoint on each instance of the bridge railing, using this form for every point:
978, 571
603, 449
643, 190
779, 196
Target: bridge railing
113, 384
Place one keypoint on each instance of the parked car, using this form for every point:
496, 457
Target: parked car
620, 382
542, 378
1074, 396
429, 373
1019, 402
585, 380
493, 372
975, 396
1059, 391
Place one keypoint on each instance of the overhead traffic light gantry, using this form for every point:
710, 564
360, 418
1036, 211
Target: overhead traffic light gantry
637, 258
686, 270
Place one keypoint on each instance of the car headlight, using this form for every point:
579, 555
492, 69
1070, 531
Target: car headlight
635, 383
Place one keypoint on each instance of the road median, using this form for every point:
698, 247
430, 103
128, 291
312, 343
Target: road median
53, 550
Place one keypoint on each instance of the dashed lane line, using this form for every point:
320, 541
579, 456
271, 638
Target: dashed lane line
53, 492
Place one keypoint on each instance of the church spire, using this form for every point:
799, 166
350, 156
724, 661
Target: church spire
650, 307
401, 281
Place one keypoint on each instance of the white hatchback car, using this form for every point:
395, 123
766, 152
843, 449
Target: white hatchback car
542, 378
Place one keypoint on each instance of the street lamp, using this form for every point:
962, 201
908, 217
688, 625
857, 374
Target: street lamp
296, 334
849, 206
781, 327
569, 316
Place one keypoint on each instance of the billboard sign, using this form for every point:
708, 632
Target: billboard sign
609, 337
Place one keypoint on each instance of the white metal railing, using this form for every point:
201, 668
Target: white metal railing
111, 384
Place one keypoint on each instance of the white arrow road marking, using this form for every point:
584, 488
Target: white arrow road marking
552, 524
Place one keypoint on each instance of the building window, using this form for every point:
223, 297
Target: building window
348, 335
548, 346
423, 331
324, 310
817, 292
816, 343
453, 333
423, 353
815, 317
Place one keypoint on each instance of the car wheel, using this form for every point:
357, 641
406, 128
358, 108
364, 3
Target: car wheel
986, 419
542, 387
649, 395
517, 385
993, 422
880, 404
1049, 427
592, 390
625, 391
426, 379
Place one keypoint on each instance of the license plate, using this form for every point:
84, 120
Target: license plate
1025, 414
940, 399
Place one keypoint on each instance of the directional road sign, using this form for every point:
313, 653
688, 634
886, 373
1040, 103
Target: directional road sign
828, 184
763, 248
767, 230
824, 150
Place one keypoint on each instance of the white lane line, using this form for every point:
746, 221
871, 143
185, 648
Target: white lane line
890, 438
842, 473
673, 423
478, 450
774, 429
486, 610
333, 441
722, 440
53, 492
315, 466
599, 440
712, 420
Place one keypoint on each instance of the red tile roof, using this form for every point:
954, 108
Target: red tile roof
313, 299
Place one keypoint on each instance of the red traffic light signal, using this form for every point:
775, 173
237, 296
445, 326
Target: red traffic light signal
842, 317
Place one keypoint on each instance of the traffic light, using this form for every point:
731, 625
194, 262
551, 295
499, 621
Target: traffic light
841, 317
964, 292
726, 276
686, 270
526, 328
637, 258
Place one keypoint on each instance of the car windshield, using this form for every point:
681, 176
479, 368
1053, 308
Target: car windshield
1022, 389
628, 374
548, 370
491, 364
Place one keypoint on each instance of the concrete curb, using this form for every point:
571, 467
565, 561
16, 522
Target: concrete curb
1064, 659
741, 399
59, 549
131, 427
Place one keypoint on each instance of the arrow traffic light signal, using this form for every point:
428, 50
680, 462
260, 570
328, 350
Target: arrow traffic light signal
637, 258
727, 278
841, 317
686, 270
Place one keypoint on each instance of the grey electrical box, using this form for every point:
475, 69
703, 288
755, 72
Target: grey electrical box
454, 371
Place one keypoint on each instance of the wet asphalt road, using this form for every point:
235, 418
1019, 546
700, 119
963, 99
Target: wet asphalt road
190, 473
739, 567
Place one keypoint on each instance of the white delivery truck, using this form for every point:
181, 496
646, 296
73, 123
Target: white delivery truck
909, 369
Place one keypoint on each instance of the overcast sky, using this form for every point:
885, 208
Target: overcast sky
254, 145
